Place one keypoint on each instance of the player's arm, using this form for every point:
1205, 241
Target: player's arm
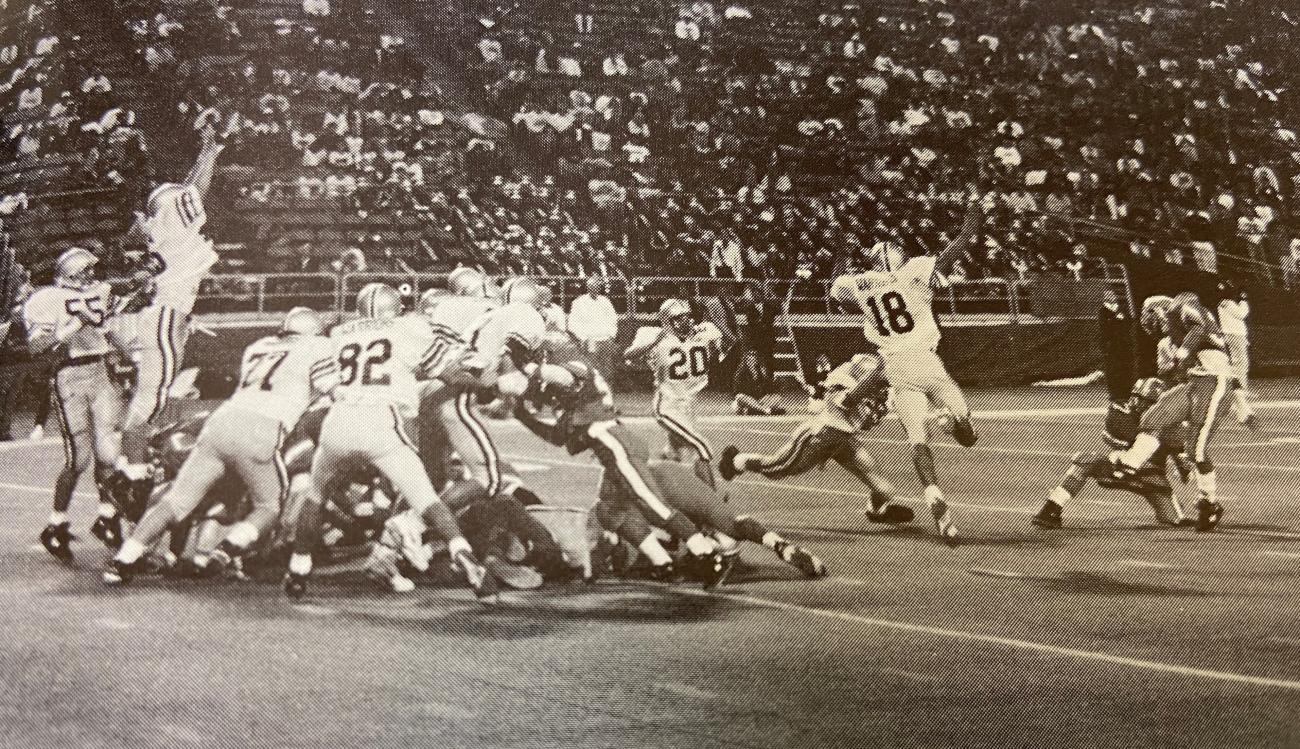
205, 164
324, 373
970, 227
639, 352
867, 386
1197, 332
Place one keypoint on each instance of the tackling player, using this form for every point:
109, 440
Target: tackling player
1200, 351
897, 301
173, 222
279, 377
67, 319
680, 357
855, 397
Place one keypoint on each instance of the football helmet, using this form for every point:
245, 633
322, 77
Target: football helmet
75, 269
1148, 390
379, 301
675, 315
428, 300
301, 321
467, 282
886, 257
1155, 313
524, 291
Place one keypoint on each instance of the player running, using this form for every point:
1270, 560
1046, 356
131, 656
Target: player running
279, 377
67, 320
897, 300
383, 360
855, 397
1200, 352
680, 357
1151, 481
182, 254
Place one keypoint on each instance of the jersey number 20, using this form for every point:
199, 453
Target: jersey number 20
684, 363
890, 313
352, 362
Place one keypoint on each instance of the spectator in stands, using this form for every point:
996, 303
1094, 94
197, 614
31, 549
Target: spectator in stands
593, 323
1291, 266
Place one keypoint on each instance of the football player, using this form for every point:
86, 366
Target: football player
383, 357
680, 357
1201, 354
280, 376
854, 398
66, 320
1150, 482
896, 298
182, 254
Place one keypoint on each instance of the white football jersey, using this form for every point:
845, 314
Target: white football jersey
681, 365
176, 235
514, 325
898, 305
280, 376
381, 362
54, 308
459, 313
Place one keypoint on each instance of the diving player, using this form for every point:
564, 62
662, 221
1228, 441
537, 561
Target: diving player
279, 377
897, 300
680, 357
67, 319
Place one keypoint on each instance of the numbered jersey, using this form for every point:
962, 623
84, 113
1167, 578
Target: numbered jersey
1208, 350
282, 375
381, 362
898, 306
681, 365
52, 309
176, 236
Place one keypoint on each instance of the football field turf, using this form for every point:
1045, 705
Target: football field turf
1108, 632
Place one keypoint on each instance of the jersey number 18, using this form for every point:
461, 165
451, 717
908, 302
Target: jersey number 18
890, 314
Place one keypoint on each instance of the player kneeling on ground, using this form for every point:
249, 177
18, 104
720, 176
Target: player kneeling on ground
854, 398
1150, 482
279, 377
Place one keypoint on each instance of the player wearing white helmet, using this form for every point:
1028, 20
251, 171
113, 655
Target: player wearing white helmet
384, 359
173, 223
896, 298
680, 357
66, 321
280, 376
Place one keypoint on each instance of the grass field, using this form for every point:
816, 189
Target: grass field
1109, 632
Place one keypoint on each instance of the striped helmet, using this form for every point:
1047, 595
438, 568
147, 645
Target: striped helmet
301, 321
466, 281
379, 301
524, 291
75, 268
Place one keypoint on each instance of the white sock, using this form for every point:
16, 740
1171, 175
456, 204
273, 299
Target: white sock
1143, 448
771, 540
701, 545
1208, 484
300, 564
727, 543
932, 494
131, 551
107, 510
740, 460
242, 534
655, 551
58, 518
1060, 496
458, 546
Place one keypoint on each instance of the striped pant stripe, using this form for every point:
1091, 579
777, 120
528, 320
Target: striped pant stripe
686, 433
167, 346
789, 455
1211, 416
65, 426
623, 465
491, 460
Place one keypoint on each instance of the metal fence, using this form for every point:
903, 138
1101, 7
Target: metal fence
998, 299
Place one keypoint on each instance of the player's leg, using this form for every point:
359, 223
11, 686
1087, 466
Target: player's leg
162, 346
469, 438
106, 416
1083, 466
677, 417
72, 411
945, 392
913, 408
1170, 409
1209, 401
852, 453
201, 470
259, 461
805, 449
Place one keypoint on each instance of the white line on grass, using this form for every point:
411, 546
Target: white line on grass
1006, 642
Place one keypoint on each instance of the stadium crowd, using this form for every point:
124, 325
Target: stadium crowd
744, 139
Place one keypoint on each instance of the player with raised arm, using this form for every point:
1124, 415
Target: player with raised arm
279, 377
181, 255
66, 320
855, 398
896, 298
384, 358
1201, 354
680, 357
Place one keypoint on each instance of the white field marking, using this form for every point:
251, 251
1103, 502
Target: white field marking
1274, 442
1004, 642
13, 445
445, 710
530, 467
315, 609
988, 572
42, 489
684, 690
1279, 554
1144, 564
116, 625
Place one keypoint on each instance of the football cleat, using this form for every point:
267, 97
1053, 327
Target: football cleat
108, 530
1049, 517
883, 510
1251, 422
802, 560
118, 573
57, 540
664, 573
516, 576
964, 433
405, 534
482, 582
295, 586
943, 522
1208, 515
712, 569
727, 463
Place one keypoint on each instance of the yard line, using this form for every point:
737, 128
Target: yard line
1005, 642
